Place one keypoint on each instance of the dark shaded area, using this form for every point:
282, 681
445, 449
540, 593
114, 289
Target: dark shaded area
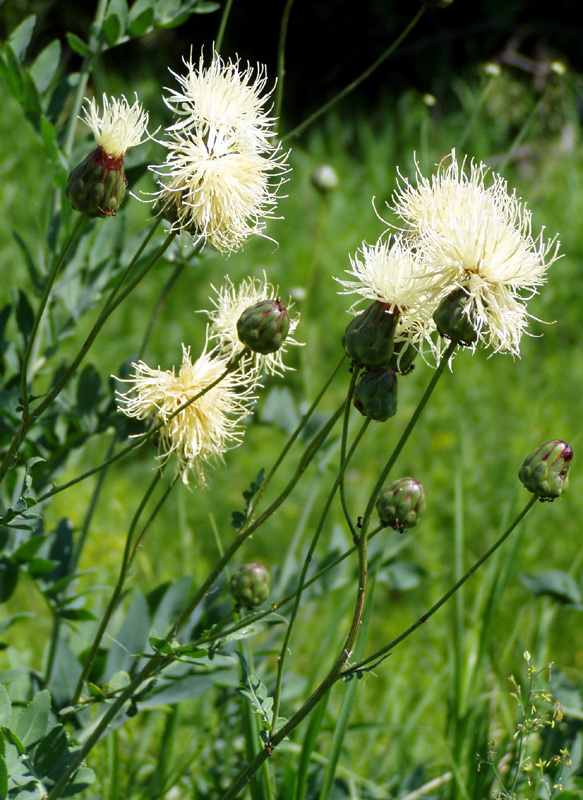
330, 43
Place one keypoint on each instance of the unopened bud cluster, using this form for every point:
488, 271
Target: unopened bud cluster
250, 585
545, 472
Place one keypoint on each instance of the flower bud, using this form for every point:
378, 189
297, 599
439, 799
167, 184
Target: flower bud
250, 585
264, 326
400, 504
545, 472
97, 186
404, 354
368, 338
324, 178
453, 321
375, 395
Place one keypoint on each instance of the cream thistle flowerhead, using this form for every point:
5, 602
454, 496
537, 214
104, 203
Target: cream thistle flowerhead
230, 302
223, 168
205, 429
473, 235
119, 126
391, 273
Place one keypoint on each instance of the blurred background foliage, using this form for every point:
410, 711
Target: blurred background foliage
486, 415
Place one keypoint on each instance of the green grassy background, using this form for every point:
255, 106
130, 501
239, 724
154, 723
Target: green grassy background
486, 415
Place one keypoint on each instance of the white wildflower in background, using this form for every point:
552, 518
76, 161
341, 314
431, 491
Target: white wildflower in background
223, 169
476, 237
230, 302
119, 126
204, 430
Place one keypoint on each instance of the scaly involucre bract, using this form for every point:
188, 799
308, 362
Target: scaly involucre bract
119, 126
223, 168
205, 429
471, 233
230, 302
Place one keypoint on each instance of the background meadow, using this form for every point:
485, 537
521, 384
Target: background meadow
421, 717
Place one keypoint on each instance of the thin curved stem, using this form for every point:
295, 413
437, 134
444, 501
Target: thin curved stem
281, 58
308, 559
351, 525
332, 677
125, 563
406, 433
223, 25
355, 83
294, 436
391, 645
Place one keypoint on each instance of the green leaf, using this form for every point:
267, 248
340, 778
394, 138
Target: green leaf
20, 38
78, 614
29, 549
114, 24
554, 583
88, 389
95, 691
254, 628
78, 45
83, 778
140, 17
165, 11
24, 314
8, 578
38, 566
50, 750
11, 737
161, 646
205, 8
4, 625
3, 771
33, 721
45, 65
5, 707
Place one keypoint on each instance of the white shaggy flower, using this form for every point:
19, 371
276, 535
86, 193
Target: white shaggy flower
119, 126
230, 302
213, 186
224, 97
223, 168
477, 237
388, 271
205, 429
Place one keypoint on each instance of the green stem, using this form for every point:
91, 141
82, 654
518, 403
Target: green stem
387, 648
159, 660
476, 112
125, 563
110, 305
137, 443
223, 25
353, 531
95, 46
26, 416
524, 130
406, 433
295, 435
250, 527
81, 221
308, 559
316, 696
334, 676
355, 83
281, 58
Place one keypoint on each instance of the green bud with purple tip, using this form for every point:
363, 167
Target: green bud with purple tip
264, 326
545, 472
97, 186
